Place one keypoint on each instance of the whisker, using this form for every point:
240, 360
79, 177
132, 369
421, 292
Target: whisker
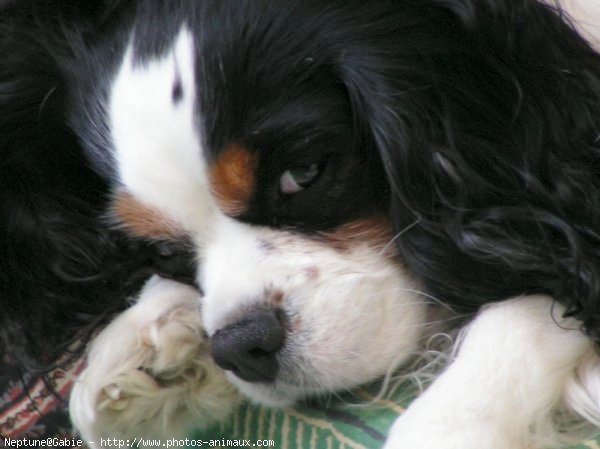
399, 234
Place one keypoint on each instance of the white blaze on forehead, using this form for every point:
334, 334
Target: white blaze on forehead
157, 144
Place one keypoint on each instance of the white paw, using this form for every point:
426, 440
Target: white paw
501, 390
149, 373
426, 434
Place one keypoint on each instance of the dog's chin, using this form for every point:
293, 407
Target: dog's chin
274, 394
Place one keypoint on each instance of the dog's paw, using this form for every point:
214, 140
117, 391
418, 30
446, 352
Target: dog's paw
426, 434
149, 373
484, 399
442, 419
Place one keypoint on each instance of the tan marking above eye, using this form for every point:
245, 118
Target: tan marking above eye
142, 220
232, 179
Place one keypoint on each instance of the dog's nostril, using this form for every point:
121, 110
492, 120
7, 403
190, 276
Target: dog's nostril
249, 347
258, 352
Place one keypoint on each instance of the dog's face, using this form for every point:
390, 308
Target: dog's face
262, 169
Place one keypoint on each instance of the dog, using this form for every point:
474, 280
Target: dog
329, 179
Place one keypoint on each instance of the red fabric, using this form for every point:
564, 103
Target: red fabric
36, 406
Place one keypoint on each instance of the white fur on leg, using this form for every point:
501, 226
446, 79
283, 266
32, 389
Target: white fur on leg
500, 392
149, 373
582, 393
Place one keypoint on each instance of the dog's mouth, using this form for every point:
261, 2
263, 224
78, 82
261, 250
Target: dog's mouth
276, 394
285, 387
274, 364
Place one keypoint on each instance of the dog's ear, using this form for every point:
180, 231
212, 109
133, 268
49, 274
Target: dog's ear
457, 108
466, 10
395, 120
451, 89
62, 270
513, 23
474, 14
390, 101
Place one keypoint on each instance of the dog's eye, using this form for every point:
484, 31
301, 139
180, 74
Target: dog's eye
164, 249
298, 178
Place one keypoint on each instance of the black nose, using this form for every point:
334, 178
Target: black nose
249, 346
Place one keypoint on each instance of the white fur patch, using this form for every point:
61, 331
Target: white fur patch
353, 315
504, 385
157, 147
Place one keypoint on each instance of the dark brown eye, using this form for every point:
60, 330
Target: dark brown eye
298, 178
164, 249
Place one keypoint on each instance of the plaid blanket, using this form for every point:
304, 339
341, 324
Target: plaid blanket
36, 407
356, 421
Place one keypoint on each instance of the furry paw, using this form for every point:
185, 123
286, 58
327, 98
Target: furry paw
424, 434
149, 373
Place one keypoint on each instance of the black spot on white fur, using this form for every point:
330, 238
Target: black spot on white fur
177, 92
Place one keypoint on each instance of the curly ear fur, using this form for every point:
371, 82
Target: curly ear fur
490, 141
62, 270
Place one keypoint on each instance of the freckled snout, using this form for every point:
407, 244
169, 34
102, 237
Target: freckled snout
248, 348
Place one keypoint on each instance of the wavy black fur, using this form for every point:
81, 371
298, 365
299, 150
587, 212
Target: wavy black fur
482, 117
495, 152
63, 271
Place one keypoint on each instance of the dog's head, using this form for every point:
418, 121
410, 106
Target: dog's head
293, 146
251, 143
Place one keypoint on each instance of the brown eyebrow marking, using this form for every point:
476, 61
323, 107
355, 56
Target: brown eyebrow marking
233, 179
142, 220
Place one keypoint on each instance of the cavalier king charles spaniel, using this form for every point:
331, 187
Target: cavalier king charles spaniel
300, 193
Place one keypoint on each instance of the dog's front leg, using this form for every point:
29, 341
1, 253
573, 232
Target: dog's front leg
149, 373
499, 392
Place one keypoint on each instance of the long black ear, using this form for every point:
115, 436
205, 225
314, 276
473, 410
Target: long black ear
61, 269
516, 24
486, 126
399, 116
394, 87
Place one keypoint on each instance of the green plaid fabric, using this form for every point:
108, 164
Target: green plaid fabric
356, 421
